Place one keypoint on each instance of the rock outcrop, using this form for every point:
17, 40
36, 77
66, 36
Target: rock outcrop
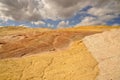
17, 43
105, 47
65, 54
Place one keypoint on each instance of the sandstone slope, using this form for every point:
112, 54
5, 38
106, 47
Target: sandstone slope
105, 47
63, 54
17, 42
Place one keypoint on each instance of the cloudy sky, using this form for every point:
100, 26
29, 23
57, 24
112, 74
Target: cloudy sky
59, 13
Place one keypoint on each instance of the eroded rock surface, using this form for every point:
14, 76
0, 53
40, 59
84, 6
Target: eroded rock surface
43, 54
105, 47
26, 43
75, 63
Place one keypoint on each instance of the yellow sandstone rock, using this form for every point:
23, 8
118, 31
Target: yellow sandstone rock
62, 54
75, 63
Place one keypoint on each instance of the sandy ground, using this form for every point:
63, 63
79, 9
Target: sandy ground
105, 47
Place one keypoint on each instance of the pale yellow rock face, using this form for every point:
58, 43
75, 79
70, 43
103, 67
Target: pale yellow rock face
75, 63
105, 47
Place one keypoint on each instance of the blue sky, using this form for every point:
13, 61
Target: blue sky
56, 13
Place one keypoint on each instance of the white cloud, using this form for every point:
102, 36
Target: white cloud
23, 25
103, 11
38, 23
63, 24
105, 14
50, 25
3, 21
116, 24
90, 21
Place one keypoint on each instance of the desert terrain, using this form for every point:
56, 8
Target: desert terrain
79, 53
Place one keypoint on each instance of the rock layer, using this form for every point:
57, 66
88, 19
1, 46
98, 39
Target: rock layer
75, 63
25, 42
105, 47
44, 54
